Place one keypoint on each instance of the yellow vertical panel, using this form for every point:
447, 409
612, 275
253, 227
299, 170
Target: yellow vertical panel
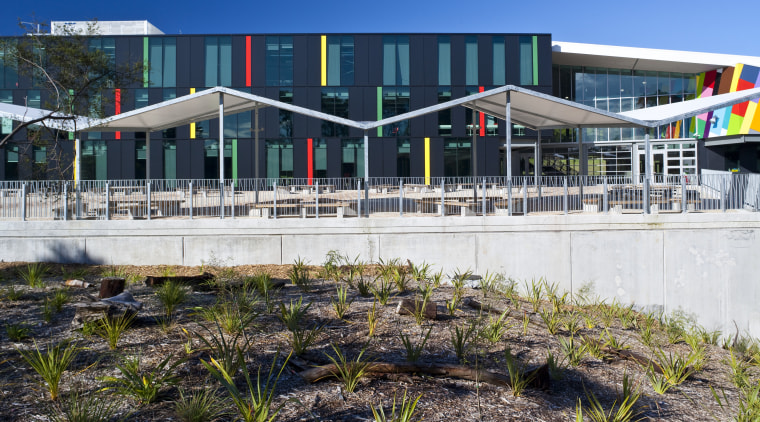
324, 60
192, 125
749, 117
427, 161
677, 131
735, 79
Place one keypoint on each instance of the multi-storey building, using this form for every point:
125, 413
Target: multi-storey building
366, 77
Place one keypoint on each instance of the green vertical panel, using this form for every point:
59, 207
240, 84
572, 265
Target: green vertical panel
234, 161
146, 62
380, 109
535, 60
71, 95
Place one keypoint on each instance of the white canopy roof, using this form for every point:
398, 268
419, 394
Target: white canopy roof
664, 114
45, 117
203, 105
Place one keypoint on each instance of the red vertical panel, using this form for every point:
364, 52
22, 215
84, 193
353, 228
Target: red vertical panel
482, 117
310, 160
117, 106
248, 60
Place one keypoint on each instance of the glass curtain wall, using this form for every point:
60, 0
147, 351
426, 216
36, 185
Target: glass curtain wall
279, 61
352, 160
279, 158
218, 61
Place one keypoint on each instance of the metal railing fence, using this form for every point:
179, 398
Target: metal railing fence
382, 196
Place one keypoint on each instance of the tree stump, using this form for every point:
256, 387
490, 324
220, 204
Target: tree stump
113, 307
111, 286
410, 307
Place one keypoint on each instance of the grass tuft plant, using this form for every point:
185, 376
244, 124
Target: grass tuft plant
349, 371
413, 352
33, 274
112, 328
78, 407
200, 406
299, 275
519, 378
171, 294
52, 363
573, 351
405, 412
461, 339
17, 332
142, 385
342, 304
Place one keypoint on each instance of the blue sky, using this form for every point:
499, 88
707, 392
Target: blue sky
696, 25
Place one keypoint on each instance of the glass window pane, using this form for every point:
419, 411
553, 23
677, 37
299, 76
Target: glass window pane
444, 60
212, 61
286, 61
389, 60
499, 61
526, 60
347, 61
170, 62
471, 60
333, 61
403, 60
156, 61
225, 61
272, 59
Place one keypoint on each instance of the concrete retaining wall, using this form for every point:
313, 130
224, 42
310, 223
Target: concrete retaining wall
705, 264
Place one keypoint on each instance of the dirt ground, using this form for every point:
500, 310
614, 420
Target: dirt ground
443, 398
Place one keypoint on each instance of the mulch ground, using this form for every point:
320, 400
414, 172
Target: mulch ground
442, 398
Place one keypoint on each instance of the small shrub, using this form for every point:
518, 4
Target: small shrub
256, 406
552, 320
675, 367
17, 332
171, 294
78, 407
382, 290
201, 406
349, 371
302, 338
60, 298
405, 412
413, 352
33, 274
573, 351
341, 305
535, 293
299, 275
461, 339
12, 294
738, 370
111, 329
142, 385
51, 364
494, 330
372, 319
623, 409
556, 366
228, 352
519, 378
292, 315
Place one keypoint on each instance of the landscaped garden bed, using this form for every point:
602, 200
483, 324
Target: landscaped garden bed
329, 341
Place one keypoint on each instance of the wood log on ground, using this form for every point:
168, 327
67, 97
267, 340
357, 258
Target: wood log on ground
539, 376
198, 282
112, 307
412, 306
111, 286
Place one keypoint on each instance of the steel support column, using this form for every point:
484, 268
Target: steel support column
221, 155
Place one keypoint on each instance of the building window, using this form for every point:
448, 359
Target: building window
320, 158
140, 159
279, 61
444, 60
471, 60
403, 161
163, 62
352, 162
457, 157
335, 102
8, 74
211, 159
395, 102
286, 116
94, 160
444, 116
279, 153
527, 58
340, 60
6, 97
170, 159
499, 62
11, 162
396, 60
218, 61
171, 133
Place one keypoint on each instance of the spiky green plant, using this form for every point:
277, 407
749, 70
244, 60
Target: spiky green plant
299, 275
494, 329
292, 315
52, 363
33, 274
145, 386
112, 328
349, 371
675, 367
200, 406
519, 377
552, 320
573, 351
60, 298
461, 339
256, 406
414, 351
78, 407
224, 350
342, 304
17, 332
171, 294
382, 290
623, 409
372, 319
405, 412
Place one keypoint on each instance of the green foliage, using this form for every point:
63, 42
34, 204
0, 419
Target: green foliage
552, 320
303, 338
52, 363
256, 406
461, 339
48, 310
12, 294
299, 275
405, 412
675, 367
419, 272
748, 409
228, 352
739, 370
145, 386
535, 293
75, 273
458, 282
556, 366
111, 329
33, 274
382, 290
349, 371
494, 329
200, 406
60, 298
232, 316
17, 332
78, 407
171, 294
519, 378
623, 409
413, 352
114, 271
490, 283
372, 319
261, 283
571, 323
572, 350
342, 304
614, 342
436, 279
292, 315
